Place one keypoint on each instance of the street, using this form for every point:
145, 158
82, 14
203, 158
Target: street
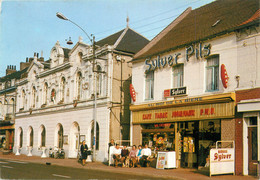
12, 169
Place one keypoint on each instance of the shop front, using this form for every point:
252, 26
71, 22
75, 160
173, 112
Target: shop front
190, 126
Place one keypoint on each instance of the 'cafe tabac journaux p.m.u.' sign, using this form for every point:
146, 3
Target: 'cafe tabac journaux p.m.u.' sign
199, 51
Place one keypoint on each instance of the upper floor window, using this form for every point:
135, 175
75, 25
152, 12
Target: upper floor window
33, 97
53, 95
99, 80
212, 74
79, 85
149, 85
23, 99
45, 93
178, 76
62, 89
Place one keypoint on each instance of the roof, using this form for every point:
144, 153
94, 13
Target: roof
126, 40
15, 75
214, 19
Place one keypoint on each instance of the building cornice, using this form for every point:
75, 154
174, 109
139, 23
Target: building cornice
55, 69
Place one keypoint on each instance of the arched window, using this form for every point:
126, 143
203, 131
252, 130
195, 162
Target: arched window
33, 97
23, 99
97, 135
20, 137
60, 137
79, 85
30, 136
53, 95
6, 107
62, 89
99, 80
11, 106
45, 93
43, 136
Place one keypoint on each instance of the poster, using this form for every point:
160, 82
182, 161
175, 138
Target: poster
161, 159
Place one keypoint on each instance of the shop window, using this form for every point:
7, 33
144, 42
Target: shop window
97, 135
212, 74
149, 85
159, 137
178, 76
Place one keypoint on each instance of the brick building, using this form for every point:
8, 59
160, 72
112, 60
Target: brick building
188, 80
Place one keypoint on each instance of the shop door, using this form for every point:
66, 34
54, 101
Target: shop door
252, 151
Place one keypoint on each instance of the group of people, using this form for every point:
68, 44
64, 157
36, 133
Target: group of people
136, 157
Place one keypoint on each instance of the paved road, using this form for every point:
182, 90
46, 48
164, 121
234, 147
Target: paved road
11, 169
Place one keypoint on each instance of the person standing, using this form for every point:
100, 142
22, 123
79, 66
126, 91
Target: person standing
84, 152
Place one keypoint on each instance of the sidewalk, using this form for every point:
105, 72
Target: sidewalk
179, 173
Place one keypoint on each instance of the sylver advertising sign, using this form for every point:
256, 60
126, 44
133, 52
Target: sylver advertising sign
222, 161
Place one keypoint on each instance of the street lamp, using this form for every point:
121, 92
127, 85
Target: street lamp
61, 16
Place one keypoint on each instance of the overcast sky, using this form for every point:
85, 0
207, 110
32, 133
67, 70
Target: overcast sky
32, 26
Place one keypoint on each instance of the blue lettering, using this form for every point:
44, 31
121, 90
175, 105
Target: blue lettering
176, 57
170, 62
189, 52
149, 65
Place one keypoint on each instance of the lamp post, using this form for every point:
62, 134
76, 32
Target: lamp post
61, 16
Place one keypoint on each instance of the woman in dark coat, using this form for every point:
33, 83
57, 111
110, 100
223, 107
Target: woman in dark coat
84, 152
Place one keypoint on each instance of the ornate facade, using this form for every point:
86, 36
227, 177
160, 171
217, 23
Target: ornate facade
56, 98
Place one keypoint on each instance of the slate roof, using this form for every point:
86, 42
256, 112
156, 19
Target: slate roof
126, 40
15, 75
197, 25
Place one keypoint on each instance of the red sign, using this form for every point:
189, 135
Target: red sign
224, 75
132, 92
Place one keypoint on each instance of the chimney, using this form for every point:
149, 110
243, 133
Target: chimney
25, 64
10, 69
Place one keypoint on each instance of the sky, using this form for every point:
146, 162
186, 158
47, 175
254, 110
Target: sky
28, 26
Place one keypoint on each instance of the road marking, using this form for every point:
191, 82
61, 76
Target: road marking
2, 162
61, 176
7, 166
21, 162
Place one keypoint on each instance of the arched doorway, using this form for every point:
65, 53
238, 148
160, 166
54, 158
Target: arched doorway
74, 140
58, 140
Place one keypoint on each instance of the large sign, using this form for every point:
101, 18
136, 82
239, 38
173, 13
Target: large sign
195, 112
199, 51
222, 161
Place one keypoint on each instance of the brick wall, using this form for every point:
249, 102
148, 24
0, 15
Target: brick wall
253, 93
239, 146
227, 130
